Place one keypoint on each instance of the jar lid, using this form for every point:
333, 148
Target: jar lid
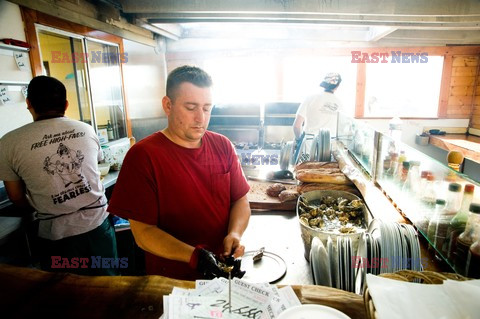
475, 208
469, 188
454, 187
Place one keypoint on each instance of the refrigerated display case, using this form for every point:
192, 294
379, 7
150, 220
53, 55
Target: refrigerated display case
410, 179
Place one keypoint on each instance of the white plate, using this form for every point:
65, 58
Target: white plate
311, 266
324, 278
361, 270
312, 312
341, 265
267, 270
351, 270
346, 273
332, 257
315, 259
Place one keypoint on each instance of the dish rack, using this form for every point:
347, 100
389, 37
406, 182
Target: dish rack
424, 277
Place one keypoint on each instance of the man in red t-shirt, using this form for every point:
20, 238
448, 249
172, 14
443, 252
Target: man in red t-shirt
183, 189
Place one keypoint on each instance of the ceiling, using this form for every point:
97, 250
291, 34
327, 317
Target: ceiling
308, 23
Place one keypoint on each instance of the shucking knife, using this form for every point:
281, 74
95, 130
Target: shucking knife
228, 267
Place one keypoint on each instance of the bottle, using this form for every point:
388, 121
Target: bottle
403, 173
412, 181
432, 223
109, 130
472, 268
470, 235
401, 158
395, 128
423, 183
454, 198
392, 170
459, 221
429, 193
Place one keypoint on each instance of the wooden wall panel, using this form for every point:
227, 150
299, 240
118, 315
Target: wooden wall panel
475, 118
463, 90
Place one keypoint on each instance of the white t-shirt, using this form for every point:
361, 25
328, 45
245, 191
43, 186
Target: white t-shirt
320, 111
57, 159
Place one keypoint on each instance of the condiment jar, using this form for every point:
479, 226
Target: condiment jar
432, 224
429, 193
459, 221
454, 198
472, 268
467, 238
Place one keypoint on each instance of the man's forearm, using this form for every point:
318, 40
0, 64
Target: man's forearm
239, 216
160, 243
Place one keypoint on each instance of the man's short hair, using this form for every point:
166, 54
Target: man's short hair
186, 73
47, 95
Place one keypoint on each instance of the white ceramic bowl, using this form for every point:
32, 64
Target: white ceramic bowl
312, 311
104, 168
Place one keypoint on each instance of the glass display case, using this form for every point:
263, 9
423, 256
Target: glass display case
359, 138
426, 191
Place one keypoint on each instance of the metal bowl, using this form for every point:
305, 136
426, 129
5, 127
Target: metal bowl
308, 233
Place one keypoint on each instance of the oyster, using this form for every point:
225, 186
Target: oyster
332, 214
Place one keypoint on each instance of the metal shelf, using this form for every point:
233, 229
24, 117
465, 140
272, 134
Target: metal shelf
16, 83
13, 47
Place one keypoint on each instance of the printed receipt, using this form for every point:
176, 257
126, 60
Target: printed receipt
210, 300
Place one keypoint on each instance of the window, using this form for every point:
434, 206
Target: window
90, 70
243, 79
303, 75
403, 89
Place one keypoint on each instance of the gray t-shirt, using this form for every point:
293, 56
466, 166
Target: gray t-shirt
57, 159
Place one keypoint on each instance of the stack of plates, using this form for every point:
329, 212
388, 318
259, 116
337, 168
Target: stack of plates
332, 265
320, 149
385, 248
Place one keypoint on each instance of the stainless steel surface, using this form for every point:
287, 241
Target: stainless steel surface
279, 233
282, 181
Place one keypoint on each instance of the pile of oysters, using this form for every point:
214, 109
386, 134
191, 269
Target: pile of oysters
332, 214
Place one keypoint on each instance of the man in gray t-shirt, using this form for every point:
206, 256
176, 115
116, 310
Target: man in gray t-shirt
51, 165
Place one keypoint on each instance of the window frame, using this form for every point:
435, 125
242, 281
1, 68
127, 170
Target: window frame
33, 18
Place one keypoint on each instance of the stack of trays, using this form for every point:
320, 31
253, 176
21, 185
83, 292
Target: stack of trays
385, 248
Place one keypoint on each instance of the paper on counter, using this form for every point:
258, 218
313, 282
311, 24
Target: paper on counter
210, 300
395, 299
466, 295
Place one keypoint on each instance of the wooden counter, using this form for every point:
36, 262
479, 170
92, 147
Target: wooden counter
31, 293
468, 145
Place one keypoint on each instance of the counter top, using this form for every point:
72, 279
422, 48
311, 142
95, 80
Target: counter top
34, 293
468, 145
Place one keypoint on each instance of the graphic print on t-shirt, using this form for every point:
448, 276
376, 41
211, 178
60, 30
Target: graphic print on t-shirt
66, 163
331, 105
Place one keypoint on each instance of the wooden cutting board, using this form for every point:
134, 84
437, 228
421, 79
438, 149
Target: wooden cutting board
259, 199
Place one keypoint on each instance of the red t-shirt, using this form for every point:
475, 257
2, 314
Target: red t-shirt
185, 192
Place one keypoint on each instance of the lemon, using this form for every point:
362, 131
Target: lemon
455, 157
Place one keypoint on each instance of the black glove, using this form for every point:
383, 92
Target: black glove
208, 265
236, 263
